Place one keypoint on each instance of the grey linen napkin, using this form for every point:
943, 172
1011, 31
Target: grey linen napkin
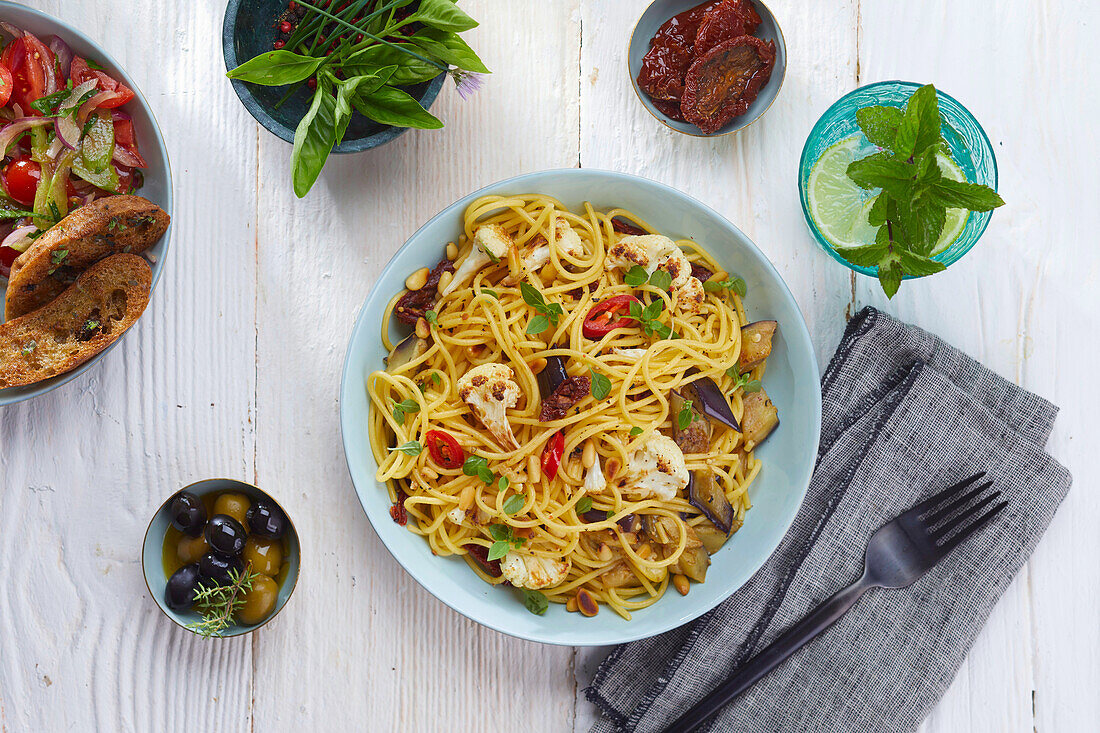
904, 414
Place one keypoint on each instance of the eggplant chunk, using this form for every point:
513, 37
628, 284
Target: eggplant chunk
551, 377
693, 563
708, 398
756, 344
410, 347
706, 495
760, 418
695, 437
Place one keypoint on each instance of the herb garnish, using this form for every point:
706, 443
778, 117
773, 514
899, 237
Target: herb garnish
743, 381
217, 603
601, 385
503, 541
686, 415
363, 68
411, 448
432, 317
514, 503
736, 284
647, 317
478, 466
29, 347
400, 409
535, 602
548, 313
637, 276
911, 209
636, 431
584, 504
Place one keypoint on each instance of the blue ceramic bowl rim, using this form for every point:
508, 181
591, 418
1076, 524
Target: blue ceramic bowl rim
261, 115
799, 333
804, 167
738, 123
114, 68
228, 484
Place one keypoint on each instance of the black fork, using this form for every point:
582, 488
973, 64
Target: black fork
899, 553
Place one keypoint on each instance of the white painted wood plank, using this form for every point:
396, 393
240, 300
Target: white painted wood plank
82, 469
371, 647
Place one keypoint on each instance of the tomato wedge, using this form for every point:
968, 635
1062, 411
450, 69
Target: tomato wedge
601, 319
552, 453
113, 93
31, 64
6, 84
444, 450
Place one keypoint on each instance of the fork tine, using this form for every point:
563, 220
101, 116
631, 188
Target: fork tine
962, 501
946, 529
966, 533
949, 491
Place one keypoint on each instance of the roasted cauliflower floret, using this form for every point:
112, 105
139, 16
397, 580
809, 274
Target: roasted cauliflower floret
536, 253
489, 390
491, 243
594, 481
655, 251
533, 573
690, 296
657, 468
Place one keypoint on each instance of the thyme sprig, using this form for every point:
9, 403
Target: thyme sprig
217, 604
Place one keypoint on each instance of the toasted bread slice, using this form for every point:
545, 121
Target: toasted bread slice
88, 317
107, 226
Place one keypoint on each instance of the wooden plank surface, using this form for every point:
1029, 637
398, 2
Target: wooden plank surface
235, 368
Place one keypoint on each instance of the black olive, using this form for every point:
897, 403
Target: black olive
225, 535
266, 520
179, 594
188, 513
216, 568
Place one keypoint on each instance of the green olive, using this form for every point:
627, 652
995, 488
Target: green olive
233, 504
259, 602
190, 549
265, 555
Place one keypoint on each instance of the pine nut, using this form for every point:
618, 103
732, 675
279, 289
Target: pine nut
681, 584
416, 280
612, 467
466, 498
571, 605
534, 470
588, 456
537, 364
444, 281
586, 604
452, 250
474, 352
604, 553
423, 330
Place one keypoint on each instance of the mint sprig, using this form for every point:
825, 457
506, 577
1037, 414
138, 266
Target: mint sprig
911, 208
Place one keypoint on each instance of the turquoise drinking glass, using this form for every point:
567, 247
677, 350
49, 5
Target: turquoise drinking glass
970, 147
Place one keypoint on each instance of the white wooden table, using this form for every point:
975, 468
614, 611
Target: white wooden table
234, 370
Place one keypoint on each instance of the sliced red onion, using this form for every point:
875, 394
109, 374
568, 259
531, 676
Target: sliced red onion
18, 126
55, 148
68, 131
128, 157
63, 53
11, 29
92, 103
19, 238
118, 115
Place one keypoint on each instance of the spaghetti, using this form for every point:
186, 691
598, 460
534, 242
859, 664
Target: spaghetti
590, 503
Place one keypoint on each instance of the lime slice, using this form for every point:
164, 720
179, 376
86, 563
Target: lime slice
839, 207
835, 200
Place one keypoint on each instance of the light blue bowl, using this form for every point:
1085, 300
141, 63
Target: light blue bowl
970, 147
152, 547
655, 16
158, 176
788, 455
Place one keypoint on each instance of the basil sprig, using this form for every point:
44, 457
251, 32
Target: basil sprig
364, 72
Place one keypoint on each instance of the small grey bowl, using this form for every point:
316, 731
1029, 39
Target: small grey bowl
152, 561
249, 30
655, 16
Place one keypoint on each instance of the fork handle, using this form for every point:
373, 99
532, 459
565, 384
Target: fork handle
779, 650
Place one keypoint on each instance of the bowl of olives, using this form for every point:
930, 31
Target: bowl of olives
221, 558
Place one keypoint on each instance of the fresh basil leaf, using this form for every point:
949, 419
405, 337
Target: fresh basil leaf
493, 293
502, 484
535, 601
499, 549
601, 385
409, 69
514, 503
584, 504
448, 48
636, 276
346, 91
880, 124
411, 448
538, 324
962, 195
661, 279
473, 464
685, 416
313, 140
443, 14
391, 106
532, 296
277, 68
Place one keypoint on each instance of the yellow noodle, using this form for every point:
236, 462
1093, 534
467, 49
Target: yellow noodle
485, 322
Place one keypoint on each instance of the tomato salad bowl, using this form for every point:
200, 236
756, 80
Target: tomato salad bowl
74, 128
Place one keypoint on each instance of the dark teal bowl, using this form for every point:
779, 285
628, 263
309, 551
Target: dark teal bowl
248, 31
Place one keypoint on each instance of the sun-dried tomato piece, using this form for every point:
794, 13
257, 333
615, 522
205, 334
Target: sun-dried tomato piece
415, 303
722, 83
701, 273
622, 226
397, 512
567, 394
480, 555
722, 22
670, 54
